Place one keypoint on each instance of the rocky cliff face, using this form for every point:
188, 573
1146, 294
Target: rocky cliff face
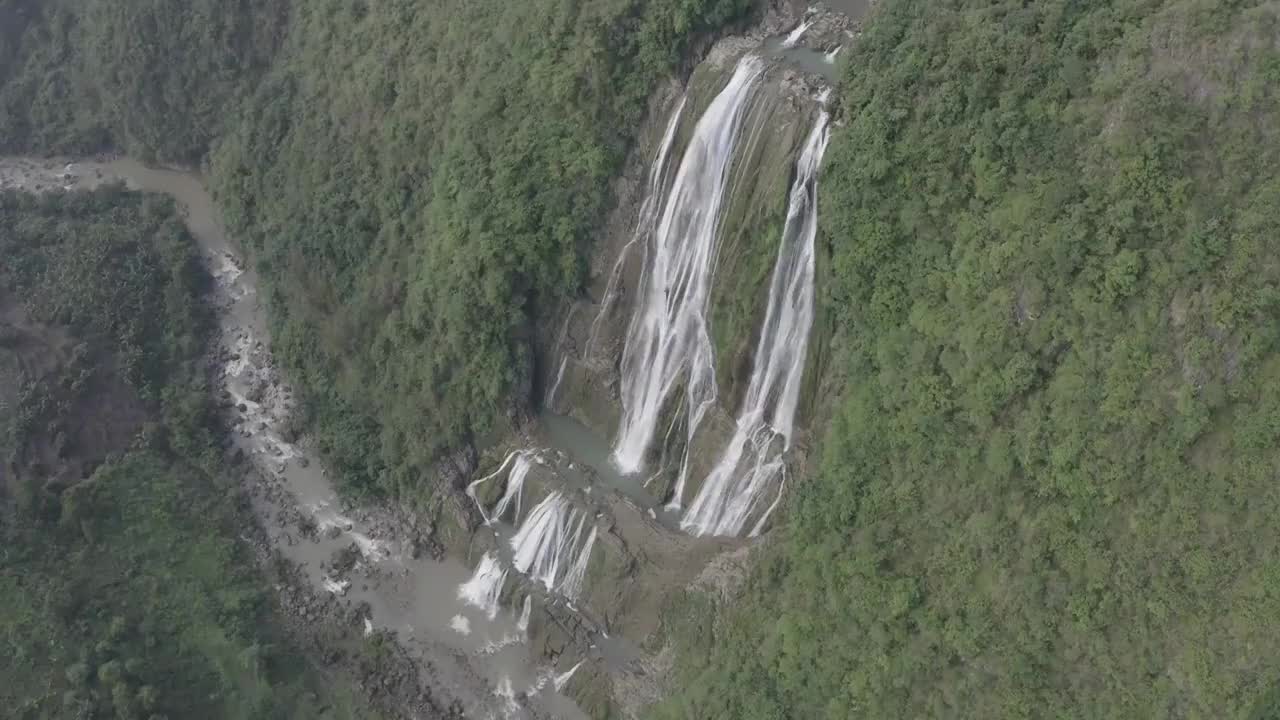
581, 367
642, 558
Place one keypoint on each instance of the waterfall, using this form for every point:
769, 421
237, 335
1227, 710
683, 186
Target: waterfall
555, 386
506, 692
794, 36
668, 337
525, 614
524, 460
549, 397
752, 463
547, 546
644, 225
571, 587
564, 678
485, 586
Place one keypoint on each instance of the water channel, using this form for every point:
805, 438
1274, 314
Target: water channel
480, 659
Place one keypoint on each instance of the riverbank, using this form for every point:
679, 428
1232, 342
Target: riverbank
373, 570
505, 643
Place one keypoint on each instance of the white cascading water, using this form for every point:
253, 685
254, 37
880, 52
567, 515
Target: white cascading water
524, 461
563, 679
752, 463
460, 624
549, 398
506, 692
794, 36
521, 634
644, 226
549, 545
668, 337
571, 586
484, 588
555, 386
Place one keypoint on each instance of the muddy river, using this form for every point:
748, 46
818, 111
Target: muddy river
479, 660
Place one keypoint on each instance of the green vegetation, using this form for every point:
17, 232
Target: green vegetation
1048, 272
103, 321
419, 187
126, 592
154, 78
1049, 487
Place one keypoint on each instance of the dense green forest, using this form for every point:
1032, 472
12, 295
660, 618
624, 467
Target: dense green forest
446, 171
1049, 487
1049, 277
419, 186
154, 78
125, 590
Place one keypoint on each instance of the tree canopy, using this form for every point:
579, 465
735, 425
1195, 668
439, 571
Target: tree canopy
125, 588
1048, 489
420, 188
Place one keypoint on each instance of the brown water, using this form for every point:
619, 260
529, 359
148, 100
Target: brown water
482, 662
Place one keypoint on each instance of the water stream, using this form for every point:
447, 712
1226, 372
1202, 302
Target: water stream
645, 225
453, 616
473, 648
794, 36
752, 464
549, 546
668, 340
520, 462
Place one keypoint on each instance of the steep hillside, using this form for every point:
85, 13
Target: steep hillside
154, 78
1042, 406
420, 187
418, 184
1048, 489
124, 586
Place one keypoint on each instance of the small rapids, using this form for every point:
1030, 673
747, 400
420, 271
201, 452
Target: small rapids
752, 463
524, 462
484, 588
563, 678
549, 546
555, 386
552, 545
525, 614
794, 36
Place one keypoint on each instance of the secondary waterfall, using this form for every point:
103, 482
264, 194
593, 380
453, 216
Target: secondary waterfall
485, 586
549, 546
752, 463
794, 36
668, 337
644, 225
524, 461
563, 679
